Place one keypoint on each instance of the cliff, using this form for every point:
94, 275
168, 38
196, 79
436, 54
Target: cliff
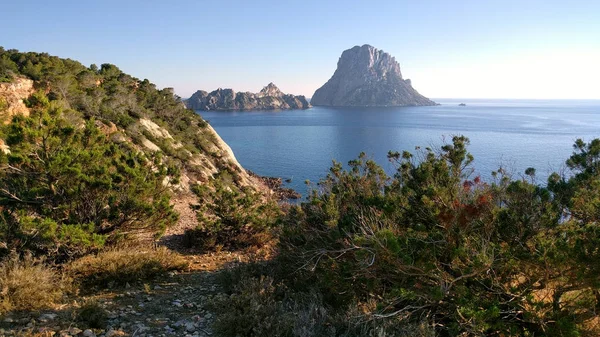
367, 76
269, 98
12, 95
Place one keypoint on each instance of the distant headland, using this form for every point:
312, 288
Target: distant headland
366, 76
269, 98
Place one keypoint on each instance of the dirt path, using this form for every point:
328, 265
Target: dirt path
171, 305
175, 304
174, 236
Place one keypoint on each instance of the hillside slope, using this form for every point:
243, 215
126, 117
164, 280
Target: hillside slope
130, 109
148, 131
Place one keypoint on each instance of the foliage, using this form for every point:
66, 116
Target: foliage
93, 315
121, 266
108, 95
115, 188
28, 284
257, 305
436, 245
230, 217
66, 189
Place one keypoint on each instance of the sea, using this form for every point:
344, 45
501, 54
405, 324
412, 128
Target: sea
300, 145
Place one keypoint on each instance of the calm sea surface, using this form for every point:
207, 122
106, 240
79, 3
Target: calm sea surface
514, 134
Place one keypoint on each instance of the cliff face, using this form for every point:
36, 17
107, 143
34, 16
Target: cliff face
269, 98
366, 76
11, 98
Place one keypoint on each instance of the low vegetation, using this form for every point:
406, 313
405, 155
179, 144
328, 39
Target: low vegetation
92, 315
65, 190
232, 218
121, 266
436, 249
29, 284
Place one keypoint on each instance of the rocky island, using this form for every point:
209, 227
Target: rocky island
367, 76
269, 98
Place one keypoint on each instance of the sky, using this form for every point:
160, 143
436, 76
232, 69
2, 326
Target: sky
449, 49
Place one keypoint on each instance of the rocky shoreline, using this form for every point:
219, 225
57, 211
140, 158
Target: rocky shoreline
276, 185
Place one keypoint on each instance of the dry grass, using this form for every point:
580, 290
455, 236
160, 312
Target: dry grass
27, 284
122, 266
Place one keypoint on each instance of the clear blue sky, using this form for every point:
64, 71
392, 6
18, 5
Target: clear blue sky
503, 49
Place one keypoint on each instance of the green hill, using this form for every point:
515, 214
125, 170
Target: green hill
90, 152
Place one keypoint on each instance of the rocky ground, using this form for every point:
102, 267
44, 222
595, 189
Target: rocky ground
276, 185
173, 305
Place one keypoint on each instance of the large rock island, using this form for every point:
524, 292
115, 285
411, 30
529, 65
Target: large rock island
366, 76
269, 98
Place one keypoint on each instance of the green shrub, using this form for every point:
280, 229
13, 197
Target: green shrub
257, 305
230, 217
432, 241
93, 315
27, 284
121, 266
65, 190
260, 308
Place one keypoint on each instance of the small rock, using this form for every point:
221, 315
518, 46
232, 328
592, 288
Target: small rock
8, 320
45, 332
114, 333
88, 333
47, 317
190, 327
75, 331
208, 316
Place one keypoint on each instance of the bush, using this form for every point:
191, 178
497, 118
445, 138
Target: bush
430, 251
123, 266
434, 242
258, 305
67, 189
93, 315
230, 217
28, 284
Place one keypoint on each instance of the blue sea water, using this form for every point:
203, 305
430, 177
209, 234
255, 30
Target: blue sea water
512, 134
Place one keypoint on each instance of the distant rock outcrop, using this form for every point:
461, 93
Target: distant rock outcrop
366, 76
269, 98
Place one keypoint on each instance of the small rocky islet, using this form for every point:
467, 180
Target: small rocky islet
368, 77
269, 98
